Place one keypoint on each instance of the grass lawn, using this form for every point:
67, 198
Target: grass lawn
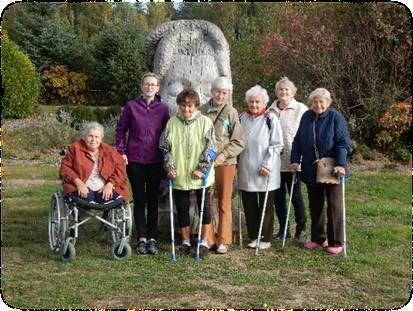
376, 273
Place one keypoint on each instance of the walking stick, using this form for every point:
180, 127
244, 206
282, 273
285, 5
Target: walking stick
289, 207
344, 214
262, 217
171, 217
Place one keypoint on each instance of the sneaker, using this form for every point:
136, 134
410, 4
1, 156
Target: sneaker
265, 245
184, 249
222, 249
203, 251
334, 249
280, 235
312, 245
253, 244
141, 249
301, 236
151, 247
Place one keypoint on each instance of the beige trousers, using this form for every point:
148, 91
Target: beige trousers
224, 177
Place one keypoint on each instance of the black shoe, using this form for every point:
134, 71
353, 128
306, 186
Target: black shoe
301, 236
203, 251
141, 249
184, 249
151, 247
213, 247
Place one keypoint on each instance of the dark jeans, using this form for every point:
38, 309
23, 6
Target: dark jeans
95, 196
253, 203
145, 180
182, 203
296, 200
316, 196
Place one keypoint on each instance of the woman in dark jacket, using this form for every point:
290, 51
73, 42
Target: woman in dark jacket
143, 120
332, 140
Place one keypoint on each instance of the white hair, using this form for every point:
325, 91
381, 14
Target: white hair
92, 126
257, 90
222, 83
288, 83
322, 92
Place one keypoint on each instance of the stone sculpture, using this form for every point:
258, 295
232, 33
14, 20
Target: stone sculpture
187, 53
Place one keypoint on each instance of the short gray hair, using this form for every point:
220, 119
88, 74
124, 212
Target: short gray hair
92, 126
322, 92
288, 82
257, 90
222, 83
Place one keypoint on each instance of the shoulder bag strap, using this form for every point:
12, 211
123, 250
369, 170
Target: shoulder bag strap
317, 155
217, 117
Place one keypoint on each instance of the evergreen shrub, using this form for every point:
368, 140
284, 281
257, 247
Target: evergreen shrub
20, 81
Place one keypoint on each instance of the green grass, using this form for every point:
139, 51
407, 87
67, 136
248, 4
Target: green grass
376, 273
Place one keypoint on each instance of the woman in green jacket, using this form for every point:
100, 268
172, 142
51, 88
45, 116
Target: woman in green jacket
188, 145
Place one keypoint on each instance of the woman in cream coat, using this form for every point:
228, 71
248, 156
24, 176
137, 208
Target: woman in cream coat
259, 164
289, 113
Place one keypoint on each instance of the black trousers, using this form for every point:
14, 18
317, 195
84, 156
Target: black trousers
296, 200
145, 181
316, 196
182, 203
253, 203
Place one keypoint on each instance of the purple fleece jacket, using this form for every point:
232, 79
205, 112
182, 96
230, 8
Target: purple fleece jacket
143, 125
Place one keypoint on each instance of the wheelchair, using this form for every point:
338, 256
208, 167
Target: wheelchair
64, 223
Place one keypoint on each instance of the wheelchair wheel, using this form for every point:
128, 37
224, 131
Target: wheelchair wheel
124, 255
55, 211
70, 253
117, 218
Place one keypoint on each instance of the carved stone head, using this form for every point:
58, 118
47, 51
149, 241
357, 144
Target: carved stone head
187, 53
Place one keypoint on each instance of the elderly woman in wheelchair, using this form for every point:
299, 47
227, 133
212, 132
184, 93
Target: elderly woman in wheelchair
94, 183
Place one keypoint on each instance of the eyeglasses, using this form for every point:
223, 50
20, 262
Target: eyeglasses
150, 84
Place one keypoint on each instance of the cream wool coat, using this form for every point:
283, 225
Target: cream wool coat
290, 120
262, 148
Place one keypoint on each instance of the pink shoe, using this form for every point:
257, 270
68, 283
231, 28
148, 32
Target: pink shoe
312, 245
334, 249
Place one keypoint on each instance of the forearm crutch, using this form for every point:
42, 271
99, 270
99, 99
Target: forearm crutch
289, 207
171, 217
201, 214
240, 218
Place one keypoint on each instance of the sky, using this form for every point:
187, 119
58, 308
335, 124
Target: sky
4, 3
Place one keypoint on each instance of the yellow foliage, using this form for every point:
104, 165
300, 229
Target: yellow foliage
394, 123
65, 87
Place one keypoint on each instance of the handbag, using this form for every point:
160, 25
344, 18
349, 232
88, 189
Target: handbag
325, 166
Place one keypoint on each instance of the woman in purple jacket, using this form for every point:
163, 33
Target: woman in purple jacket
143, 119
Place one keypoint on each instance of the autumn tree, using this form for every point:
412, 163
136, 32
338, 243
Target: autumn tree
329, 47
157, 13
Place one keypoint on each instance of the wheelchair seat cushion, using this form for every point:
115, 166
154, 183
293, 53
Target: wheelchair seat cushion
93, 205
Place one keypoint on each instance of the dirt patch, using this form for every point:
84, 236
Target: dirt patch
377, 166
155, 300
19, 183
21, 162
9, 125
